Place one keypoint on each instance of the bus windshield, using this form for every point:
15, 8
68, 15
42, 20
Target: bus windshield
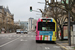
46, 26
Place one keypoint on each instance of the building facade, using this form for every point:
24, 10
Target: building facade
34, 21
30, 24
6, 18
22, 24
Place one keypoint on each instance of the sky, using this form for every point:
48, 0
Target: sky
21, 8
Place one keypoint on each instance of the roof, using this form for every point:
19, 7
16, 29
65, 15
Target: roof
1, 7
7, 10
47, 18
31, 18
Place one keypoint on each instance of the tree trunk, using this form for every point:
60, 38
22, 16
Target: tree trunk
61, 32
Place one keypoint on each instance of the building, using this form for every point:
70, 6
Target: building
6, 18
24, 25
2, 14
17, 23
31, 24
9, 17
34, 21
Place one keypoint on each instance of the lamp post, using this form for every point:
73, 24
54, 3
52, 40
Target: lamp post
69, 33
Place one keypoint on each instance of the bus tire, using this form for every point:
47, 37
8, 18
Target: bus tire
54, 42
36, 41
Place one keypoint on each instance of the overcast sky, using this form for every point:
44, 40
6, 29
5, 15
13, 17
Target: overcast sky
21, 8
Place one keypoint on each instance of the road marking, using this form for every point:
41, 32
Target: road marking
47, 48
23, 40
8, 42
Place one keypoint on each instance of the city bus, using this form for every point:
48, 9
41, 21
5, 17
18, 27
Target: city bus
46, 29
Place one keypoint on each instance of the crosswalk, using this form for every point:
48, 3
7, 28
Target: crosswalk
17, 36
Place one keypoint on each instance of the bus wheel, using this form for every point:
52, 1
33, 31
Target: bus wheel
36, 41
54, 42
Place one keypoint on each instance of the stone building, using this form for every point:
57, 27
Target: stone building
6, 18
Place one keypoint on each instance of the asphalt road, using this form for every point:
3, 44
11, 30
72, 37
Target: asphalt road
13, 41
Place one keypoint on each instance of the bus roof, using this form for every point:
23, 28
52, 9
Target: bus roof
46, 18
53, 20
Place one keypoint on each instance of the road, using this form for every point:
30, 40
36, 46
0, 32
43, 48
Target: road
13, 41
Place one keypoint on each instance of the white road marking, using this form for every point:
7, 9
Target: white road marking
8, 42
23, 40
47, 48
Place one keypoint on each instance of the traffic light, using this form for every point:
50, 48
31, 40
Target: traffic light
67, 1
30, 8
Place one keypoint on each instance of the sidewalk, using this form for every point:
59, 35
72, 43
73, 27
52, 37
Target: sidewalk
7, 33
64, 44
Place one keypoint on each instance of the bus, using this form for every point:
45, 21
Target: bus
46, 29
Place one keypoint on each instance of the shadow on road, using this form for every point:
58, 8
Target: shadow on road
47, 42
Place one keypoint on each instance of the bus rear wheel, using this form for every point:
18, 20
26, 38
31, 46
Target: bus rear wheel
36, 41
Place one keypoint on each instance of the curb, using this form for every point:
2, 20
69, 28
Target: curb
62, 46
7, 33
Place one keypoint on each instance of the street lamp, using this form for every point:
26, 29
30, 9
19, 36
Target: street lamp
69, 33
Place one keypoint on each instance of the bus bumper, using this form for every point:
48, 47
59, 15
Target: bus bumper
45, 38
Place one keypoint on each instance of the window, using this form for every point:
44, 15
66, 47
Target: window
46, 26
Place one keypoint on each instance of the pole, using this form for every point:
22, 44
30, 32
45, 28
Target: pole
69, 33
56, 17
